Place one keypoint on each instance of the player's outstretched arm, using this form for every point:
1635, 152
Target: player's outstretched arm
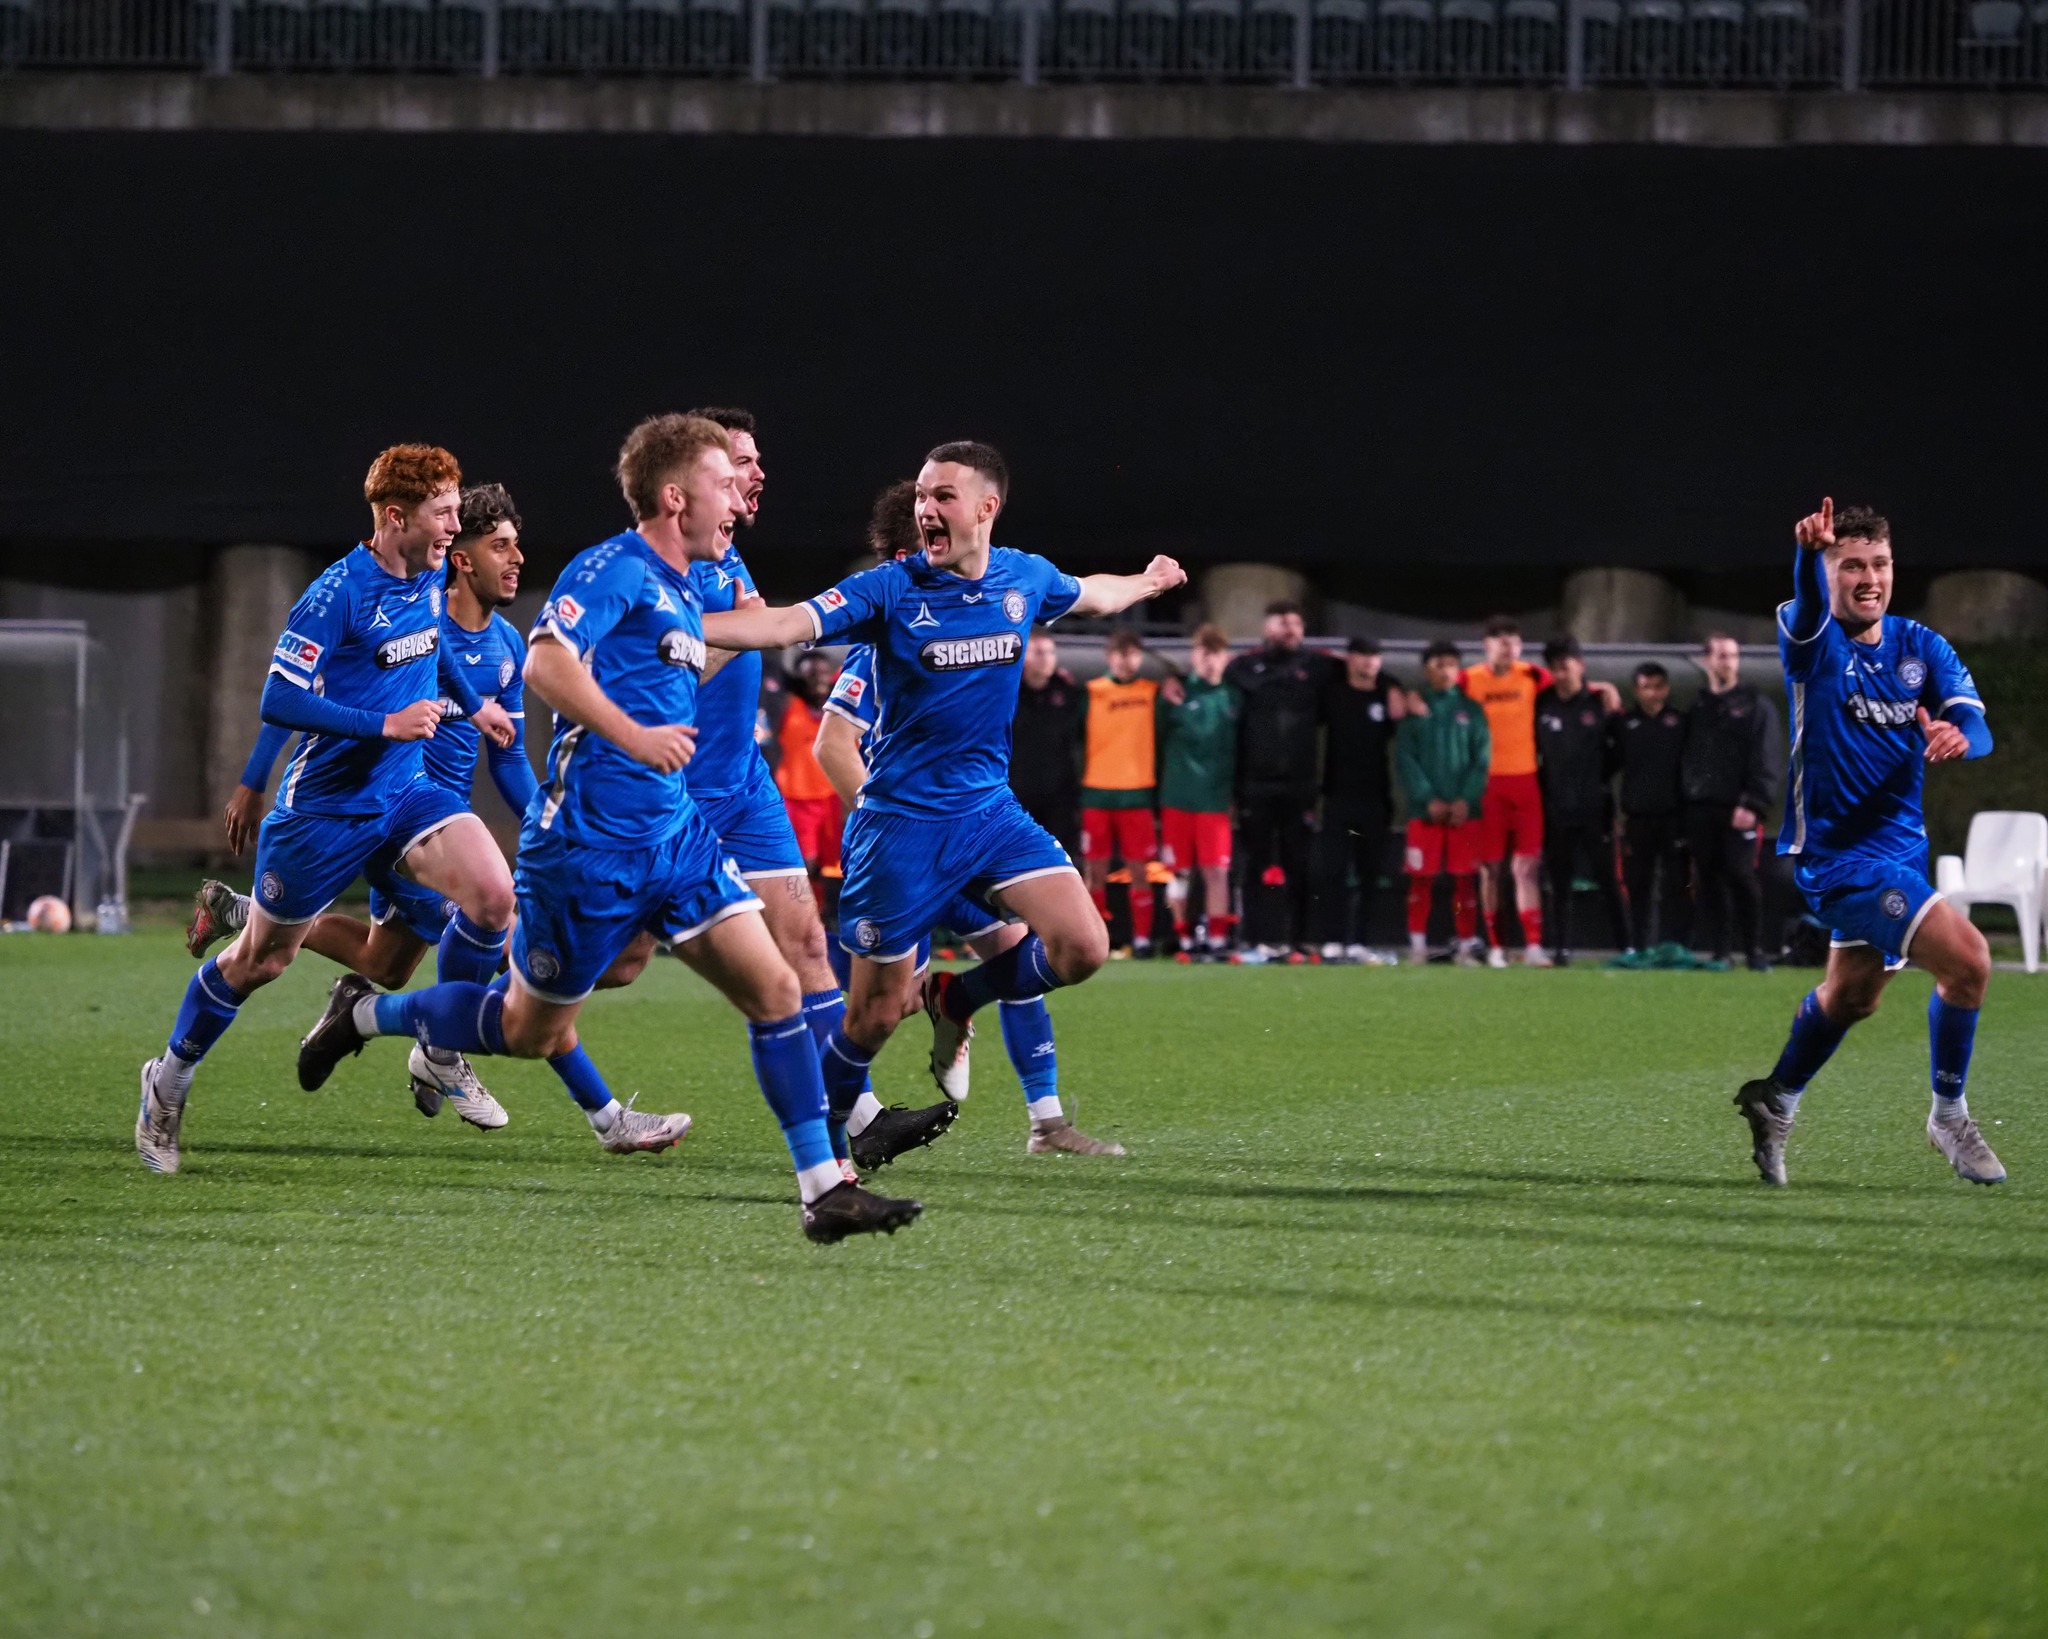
1802, 620
759, 626
1112, 594
558, 677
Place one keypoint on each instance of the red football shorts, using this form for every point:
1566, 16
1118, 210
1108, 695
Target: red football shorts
1511, 821
1433, 848
1189, 840
1125, 831
818, 822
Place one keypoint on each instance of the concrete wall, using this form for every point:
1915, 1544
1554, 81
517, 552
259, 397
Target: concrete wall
1501, 114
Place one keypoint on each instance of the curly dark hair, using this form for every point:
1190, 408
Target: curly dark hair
484, 507
1862, 523
732, 420
892, 525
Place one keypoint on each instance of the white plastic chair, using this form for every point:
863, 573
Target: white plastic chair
2002, 864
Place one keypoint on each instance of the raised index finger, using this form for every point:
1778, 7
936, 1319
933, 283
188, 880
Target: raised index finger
1827, 514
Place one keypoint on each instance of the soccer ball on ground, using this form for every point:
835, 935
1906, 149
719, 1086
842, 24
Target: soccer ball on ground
49, 914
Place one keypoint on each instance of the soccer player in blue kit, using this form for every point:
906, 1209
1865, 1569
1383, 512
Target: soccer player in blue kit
936, 816
614, 846
851, 712
357, 672
1875, 698
482, 708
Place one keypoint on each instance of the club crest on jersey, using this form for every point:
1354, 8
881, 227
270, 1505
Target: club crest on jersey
1913, 673
505, 673
401, 651
1894, 903
924, 617
542, 965
681, 648
1013, 607
272, 886
961, 654
295, 650
434, 600
866, 934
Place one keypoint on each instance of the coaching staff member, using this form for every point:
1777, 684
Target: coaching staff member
1578, 808
1727, 774
1046, 740
1277, 734
1647, 743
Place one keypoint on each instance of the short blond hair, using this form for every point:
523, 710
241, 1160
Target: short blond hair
660, 449
1211, 636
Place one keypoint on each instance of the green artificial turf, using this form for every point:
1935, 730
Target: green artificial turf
1428, 1302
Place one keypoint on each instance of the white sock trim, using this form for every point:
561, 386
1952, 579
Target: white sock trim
865, 1109
1046, 1108
365, 1015
601, 1120
822, 1179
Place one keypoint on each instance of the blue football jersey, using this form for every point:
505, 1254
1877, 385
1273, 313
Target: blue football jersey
1858, 756
853, 691
728, 707
360, 637
494, 661
948, 663
635, 623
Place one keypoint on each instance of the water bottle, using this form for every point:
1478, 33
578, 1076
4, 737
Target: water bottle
113, 915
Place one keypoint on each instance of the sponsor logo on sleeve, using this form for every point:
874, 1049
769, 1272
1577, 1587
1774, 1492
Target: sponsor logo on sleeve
298, 651
565, 611
830, 600
851, 689
1013, 606
962, 654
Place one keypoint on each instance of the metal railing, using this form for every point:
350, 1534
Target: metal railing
1847, 45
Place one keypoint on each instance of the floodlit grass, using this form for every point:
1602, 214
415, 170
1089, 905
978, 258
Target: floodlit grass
1427, 1303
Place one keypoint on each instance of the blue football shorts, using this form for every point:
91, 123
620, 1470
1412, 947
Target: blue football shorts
579, 906
304, 860
420, 910
1875, 902
754, 826
905, 876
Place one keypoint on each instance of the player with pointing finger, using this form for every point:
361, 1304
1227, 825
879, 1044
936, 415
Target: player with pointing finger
1875, 698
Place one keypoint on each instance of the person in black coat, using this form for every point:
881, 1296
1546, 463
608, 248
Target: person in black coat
1645, 744
1578, 807
1046, 739
1728, 775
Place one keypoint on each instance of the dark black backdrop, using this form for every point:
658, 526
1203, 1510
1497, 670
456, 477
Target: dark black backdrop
1340, 356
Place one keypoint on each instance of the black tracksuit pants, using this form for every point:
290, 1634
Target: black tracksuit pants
1275, 826
1353, 843
1566, 846
1730, 891
1658, 876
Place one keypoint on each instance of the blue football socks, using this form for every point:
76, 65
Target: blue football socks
461, 1017
468, 953
1020, 973
786, 1065
1951, 1033
1811, 1044
1027, 1035
203, 1018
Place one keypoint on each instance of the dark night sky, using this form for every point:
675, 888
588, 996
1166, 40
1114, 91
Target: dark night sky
1347, 357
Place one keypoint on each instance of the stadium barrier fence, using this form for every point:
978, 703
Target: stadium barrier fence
1844, 45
